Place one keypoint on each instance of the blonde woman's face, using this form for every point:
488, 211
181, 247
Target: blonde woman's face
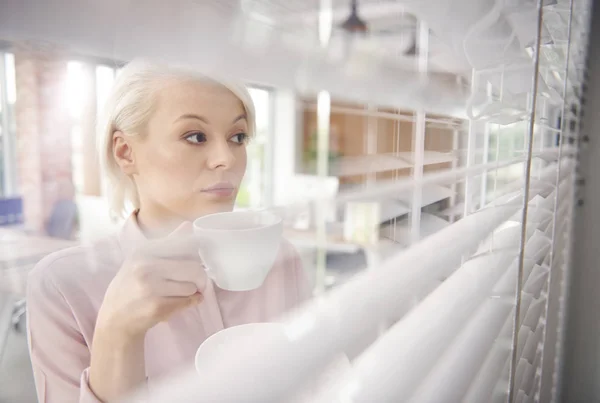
192, 158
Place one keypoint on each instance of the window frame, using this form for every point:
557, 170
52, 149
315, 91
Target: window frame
8, 178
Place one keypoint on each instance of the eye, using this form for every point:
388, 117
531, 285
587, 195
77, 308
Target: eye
240, 138
196, 137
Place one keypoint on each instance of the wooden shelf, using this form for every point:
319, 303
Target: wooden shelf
429, 157
349, 166
366, 164
430, 194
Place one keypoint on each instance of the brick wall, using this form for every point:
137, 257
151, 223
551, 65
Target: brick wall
43, 131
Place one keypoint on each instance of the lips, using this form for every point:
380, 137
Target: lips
222, 189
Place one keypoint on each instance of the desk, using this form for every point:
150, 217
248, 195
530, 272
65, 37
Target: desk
19, 253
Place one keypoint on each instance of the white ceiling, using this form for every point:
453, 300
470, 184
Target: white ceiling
274, 42
300, 18
88, 23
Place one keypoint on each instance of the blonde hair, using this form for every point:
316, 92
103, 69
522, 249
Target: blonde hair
128, 109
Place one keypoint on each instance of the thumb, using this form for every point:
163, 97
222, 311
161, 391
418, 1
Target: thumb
196, 298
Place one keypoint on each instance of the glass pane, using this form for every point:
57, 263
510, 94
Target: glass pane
260, 98
252, 190
75, 89
105, 76
11, 83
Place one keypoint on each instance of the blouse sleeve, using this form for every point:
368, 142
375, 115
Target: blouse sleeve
59, 354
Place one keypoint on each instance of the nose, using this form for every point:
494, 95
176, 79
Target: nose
220, 155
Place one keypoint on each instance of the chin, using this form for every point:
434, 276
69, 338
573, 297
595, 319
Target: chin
211, 208
223, 208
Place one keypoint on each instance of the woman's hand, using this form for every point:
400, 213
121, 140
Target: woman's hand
161, 278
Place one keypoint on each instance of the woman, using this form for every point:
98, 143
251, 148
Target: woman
107, 318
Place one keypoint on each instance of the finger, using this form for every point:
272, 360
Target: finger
171, 305
168, 288
178, 303
184, 271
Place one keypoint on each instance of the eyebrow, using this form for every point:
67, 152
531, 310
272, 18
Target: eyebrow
203, 119
192, 116
241, 117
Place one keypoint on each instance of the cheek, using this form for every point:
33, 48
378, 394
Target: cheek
241, 160
168, 166
153, 159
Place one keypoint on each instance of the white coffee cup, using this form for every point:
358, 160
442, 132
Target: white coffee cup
239, 248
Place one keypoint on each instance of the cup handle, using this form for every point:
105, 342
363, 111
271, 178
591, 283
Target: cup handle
204, 240
209, 273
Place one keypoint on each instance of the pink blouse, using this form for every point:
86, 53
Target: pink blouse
65, 291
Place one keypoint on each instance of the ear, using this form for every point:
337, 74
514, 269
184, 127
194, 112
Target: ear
123, 153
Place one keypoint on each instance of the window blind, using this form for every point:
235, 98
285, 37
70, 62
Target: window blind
472, 138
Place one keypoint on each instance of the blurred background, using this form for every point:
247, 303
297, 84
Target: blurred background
380, 123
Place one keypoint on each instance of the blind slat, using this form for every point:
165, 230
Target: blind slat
455, 369
531, 346
506, 285
531, 316
524, 333
521, 382
441, 314
486, 380
389, 188
537, 280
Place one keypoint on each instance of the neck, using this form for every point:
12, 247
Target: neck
157, 225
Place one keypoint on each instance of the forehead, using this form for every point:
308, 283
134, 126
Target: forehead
208, 99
